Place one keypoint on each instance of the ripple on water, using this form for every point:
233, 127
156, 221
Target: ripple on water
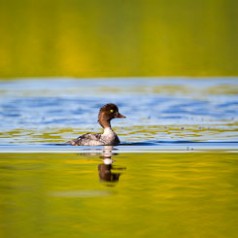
158, 110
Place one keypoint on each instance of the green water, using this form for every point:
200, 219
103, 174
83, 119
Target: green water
157, 195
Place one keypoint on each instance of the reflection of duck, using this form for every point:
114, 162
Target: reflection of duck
104, 169
109, 137
106, 174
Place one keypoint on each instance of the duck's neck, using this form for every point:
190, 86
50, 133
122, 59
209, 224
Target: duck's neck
105, 123
108, 131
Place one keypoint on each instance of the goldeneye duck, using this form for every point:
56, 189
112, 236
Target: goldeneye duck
108, 137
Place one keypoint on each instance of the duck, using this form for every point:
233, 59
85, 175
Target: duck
108, 137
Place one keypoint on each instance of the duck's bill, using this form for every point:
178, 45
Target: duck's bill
119, 115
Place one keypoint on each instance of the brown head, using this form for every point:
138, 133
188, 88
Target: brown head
107, 113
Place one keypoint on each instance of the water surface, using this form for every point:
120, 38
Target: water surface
147, 195
161, 112
189, 190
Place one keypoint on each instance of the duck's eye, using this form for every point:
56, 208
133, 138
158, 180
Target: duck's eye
111, 110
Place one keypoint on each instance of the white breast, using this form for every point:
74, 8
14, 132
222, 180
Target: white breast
109, 136
108, 133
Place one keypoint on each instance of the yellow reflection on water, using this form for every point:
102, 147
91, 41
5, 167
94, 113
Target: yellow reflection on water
174, 195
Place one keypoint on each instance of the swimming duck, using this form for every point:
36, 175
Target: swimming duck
108, 137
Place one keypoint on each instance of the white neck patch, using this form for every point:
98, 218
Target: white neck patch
108, 131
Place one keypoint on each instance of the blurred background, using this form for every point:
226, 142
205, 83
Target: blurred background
105, 38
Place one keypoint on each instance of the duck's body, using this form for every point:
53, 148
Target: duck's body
108, 137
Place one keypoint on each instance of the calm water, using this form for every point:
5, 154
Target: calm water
147, 195
189, 190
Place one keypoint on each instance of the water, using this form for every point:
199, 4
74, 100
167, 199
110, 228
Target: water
150, 195
162, 113
174, 175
